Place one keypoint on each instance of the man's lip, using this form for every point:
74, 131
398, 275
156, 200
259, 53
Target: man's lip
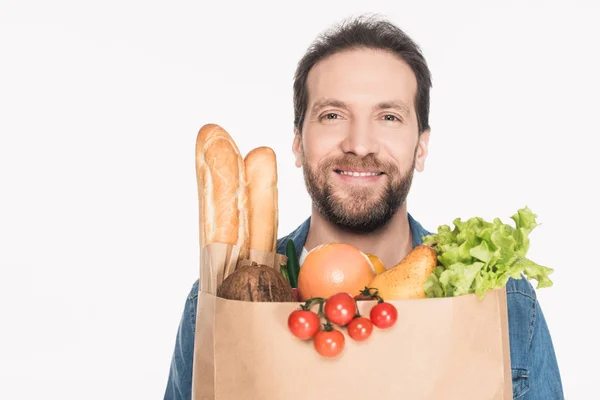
359, 170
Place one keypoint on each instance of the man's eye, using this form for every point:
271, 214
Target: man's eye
330, 116
390, 117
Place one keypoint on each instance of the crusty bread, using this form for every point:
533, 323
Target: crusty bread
222, 194
261, 175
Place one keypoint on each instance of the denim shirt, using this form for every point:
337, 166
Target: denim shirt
535, 373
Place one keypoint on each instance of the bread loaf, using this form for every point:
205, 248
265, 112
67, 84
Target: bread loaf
263, 217
221, 178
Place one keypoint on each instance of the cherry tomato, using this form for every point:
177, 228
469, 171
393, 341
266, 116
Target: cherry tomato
384, 315
303, 324
340, 308
360, 329
329, 343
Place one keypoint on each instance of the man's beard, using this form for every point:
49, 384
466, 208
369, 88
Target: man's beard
363, 210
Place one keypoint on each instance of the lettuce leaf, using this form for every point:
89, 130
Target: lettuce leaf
477, 255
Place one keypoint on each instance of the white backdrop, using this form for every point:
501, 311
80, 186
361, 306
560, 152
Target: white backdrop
100, 105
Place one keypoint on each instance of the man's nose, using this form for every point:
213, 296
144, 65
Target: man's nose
361, 139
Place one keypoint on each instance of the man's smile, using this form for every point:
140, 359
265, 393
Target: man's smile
358, 175
359, 172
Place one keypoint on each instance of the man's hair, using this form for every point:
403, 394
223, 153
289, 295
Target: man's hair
371, 33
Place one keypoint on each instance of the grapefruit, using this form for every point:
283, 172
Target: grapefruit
332, 268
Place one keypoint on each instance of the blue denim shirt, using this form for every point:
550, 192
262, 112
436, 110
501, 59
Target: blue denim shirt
535, 373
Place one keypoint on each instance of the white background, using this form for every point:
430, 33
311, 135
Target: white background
100, 104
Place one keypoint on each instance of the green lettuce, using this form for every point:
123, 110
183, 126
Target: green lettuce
477, 256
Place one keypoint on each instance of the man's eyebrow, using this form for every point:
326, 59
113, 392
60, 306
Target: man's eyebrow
395, 104
320, 104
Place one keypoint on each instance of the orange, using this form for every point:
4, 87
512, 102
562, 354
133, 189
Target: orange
332, 268
377, 263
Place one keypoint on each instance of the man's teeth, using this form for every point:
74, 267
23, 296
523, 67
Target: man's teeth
350, 173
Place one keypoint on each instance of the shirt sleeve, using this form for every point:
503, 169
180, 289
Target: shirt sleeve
179, 384
544, 380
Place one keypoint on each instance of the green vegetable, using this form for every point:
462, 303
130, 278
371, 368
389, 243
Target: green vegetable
284, 272
293, 265
477, 256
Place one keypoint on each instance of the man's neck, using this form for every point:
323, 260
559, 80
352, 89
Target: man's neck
391, 243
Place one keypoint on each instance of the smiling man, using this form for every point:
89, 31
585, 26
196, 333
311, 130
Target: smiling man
361, 103
359, 138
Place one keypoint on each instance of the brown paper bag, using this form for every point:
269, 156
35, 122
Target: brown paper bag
450, 348
267, 258
217, 262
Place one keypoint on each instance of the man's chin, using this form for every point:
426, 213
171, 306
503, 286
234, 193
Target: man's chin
362, 215
358, 223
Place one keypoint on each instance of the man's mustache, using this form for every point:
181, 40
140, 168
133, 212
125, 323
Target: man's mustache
349, 161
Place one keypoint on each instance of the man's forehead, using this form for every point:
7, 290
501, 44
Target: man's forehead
358, 76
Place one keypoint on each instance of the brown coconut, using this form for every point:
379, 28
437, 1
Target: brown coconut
253, 282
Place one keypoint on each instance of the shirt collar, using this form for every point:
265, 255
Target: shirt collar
299, 235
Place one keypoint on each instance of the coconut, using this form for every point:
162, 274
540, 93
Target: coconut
255, 282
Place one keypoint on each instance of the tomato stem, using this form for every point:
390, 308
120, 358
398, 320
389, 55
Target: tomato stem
327, 326
310, 302
376, 296
321, 301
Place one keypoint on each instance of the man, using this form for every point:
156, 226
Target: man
361, 102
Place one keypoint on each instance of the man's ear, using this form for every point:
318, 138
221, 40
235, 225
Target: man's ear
422, 151
297, 147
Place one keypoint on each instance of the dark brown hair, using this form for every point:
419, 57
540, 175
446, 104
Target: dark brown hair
364, 32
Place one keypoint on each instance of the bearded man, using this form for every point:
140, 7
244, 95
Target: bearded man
361, 105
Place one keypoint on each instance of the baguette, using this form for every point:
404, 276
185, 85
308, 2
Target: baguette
222, 195
263, 218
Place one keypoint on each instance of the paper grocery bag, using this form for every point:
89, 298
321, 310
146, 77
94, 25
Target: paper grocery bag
267, 258
448, 348
217, 262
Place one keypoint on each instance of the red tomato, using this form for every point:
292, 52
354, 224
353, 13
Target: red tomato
360, 329
303, 324
384, 315
340, 308
329, 343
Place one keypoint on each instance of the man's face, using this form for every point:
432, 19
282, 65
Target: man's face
360, 143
